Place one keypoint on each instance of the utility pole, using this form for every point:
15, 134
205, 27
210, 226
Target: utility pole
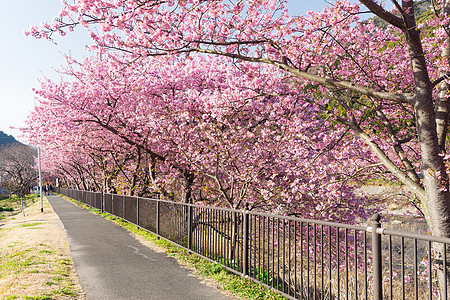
40, 178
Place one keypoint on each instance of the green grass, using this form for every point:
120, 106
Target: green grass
235, 284
31, 224
46, 251
19, 262
13, 206
39, 297
6, 208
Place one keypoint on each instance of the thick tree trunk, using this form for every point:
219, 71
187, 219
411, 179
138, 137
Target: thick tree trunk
430, 126
435, 181
436, 188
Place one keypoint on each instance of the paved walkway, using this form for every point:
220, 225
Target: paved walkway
112, 264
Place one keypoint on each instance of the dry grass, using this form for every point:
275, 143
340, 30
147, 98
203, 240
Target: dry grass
35, 259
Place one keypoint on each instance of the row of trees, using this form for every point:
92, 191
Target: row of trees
327, 88
198, 129
362, 91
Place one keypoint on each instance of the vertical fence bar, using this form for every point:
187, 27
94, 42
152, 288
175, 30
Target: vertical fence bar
200, 230
241, 250
308, 259
301, 260
278, 253
137, 211
259, 248
338, 264
207, 233
229, 238
402, 245
346, 265
284, 256
445, 270
245, 259
365, 267
254, 248
289, 258
124, 207
270, 273
215, 229
376, 256
355, 245
264, 250
322, 265
430, 283
315, 261
112, 204
295, 259
416, 281
210, 234
189, 226
273, 251
390, 269
330, 251
157, 219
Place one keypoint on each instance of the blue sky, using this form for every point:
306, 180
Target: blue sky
23, 60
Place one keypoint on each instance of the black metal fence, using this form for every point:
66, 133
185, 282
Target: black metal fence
300, 258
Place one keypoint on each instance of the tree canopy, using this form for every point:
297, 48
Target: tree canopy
304, 101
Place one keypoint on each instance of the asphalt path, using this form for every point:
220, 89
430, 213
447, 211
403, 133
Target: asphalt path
112, 264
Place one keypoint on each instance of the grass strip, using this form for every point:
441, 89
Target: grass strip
13, 206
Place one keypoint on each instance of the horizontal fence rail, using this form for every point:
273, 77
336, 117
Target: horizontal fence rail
300, 258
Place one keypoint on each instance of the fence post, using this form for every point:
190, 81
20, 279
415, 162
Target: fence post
189, 229
124, 207
157, 219
112, 204
375, 225
137, 210
245, 242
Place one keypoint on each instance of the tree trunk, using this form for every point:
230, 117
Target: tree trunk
436, 205
188, 181
234, 239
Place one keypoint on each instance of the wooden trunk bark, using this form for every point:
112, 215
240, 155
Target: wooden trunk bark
435, 180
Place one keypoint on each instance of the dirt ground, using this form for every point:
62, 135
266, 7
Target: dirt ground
35, 260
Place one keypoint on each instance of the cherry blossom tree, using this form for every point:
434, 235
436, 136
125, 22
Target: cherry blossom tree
388, 86
222, 134
360, 75
229, 134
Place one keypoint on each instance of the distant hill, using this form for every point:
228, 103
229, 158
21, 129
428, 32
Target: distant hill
6, 139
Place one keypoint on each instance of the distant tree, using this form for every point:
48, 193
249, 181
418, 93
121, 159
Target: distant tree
17, 168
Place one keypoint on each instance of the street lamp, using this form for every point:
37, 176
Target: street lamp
40, 178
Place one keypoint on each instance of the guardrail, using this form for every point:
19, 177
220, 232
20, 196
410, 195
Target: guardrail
300, 258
